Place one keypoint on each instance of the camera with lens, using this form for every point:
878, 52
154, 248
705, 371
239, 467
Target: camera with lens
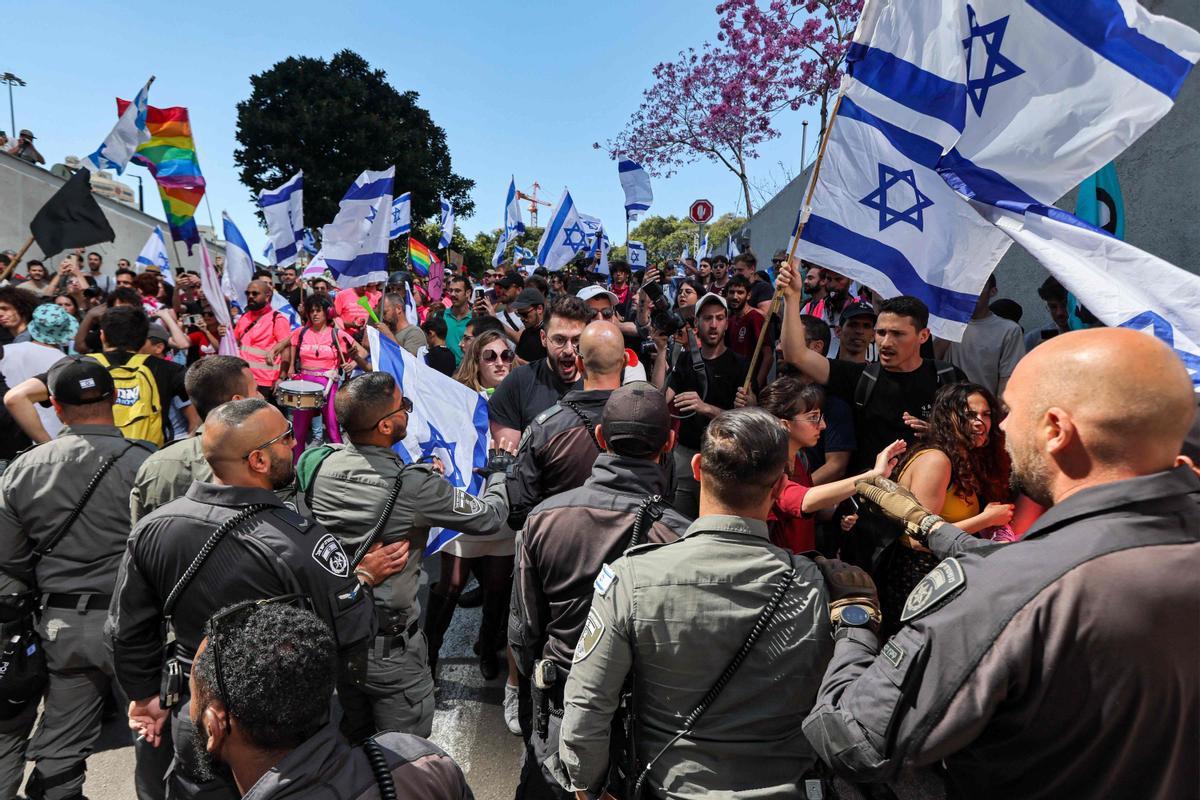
663, 318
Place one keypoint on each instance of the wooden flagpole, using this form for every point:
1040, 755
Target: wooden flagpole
777, 299
12, 265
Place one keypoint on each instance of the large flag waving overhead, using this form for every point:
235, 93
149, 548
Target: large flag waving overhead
355, 245
448, 420
154, 254
447, 224
71, 218
1123, 286
513, 226
1028, 97
125, 137
284, 212
239, 264
636, 183
170, 155
401, 215
565, 236
882, 215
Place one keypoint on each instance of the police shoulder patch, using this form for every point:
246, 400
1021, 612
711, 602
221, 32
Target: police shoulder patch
465, 504
548, 413
593, 632
943, 582
329, 554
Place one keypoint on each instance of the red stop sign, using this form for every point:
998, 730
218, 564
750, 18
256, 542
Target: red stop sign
700, 212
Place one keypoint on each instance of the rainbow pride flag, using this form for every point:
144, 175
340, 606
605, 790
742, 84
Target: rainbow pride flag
170, 155
420, 257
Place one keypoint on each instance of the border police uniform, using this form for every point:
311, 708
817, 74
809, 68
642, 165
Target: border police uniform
275, 552
680, 612
1062, 665
398, 691
38, 491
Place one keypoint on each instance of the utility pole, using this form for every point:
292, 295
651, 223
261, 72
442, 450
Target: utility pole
11, 80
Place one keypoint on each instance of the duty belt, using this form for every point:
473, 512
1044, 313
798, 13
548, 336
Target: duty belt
398, 640
79, 602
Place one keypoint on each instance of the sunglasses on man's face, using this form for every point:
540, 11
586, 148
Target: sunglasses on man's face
490, 356
287, 435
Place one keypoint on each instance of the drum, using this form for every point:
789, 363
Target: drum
300, 394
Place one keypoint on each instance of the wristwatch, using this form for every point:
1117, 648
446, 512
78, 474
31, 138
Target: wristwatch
855, 615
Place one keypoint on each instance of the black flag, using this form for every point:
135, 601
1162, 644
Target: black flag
71, 218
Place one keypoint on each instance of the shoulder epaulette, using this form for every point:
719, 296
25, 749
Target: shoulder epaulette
548, 413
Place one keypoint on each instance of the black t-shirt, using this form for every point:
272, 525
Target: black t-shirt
441, 359
726, 373
760, 292
527, 391
168, 376
530, 347
881, 422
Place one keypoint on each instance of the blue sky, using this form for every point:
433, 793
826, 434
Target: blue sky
520, 88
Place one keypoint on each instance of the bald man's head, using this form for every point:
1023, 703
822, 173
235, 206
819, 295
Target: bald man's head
1093, 406
602, 353
258, 294
246, 443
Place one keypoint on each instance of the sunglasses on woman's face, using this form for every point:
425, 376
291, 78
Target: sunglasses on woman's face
490, 356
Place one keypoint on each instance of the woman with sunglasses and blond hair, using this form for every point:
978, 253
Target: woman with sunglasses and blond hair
487, 360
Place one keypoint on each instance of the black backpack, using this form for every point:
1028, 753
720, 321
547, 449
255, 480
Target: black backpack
947, 374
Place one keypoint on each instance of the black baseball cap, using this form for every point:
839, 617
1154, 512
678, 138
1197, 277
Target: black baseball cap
857, 309
528, 298
510, 280
636, 420
80, 381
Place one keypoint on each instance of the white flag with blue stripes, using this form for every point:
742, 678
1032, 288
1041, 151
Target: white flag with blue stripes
731, 249
283, 209
239, 265
522, 256
154, 254
354, 246
882, 215
600, 244
447, 224
686, 254
635, 255
401, 215
636, 183
281, 304
1028, 98
513, 226
1123, 286
448, 420
565, 236
702, 250
129, 132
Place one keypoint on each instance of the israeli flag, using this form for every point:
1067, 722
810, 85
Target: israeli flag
401, 215
564, 237
635, 255
354, 246
600, 244
522, 256
129, 132
1028, 98
410, 306
269, 252
882, 215
1123, 286
154, 254
636, 183
281, 304
447, 224
702, 250
310, 242
685, 255
513, 226
239, 266
731, 249
283, 209
448, 420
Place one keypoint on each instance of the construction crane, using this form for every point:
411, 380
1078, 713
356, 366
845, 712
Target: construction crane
534, 202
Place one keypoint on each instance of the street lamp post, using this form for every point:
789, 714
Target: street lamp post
11, 80
141, 203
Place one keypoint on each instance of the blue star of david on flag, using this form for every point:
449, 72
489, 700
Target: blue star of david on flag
1155, 324
372, 215
996, 67
878, 199
437, 442
569, 237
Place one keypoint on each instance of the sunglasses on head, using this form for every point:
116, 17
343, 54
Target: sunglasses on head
489, 356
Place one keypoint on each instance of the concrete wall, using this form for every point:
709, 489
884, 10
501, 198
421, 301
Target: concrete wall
1160, 183
24, 188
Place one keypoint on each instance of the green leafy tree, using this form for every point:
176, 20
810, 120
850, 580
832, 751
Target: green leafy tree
665, 237
334, 119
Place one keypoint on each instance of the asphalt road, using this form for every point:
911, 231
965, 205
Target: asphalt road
468, 724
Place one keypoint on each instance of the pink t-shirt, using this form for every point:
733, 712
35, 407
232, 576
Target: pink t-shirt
315, 350
345, 305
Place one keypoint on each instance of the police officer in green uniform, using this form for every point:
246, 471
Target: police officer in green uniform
38, 493
675, 615
1065, 664
398, 691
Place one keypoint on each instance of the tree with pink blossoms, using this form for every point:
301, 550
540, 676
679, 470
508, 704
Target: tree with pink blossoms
719, 104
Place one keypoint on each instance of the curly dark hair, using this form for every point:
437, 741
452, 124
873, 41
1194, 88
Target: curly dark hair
23, 301
278, 668
981, 471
